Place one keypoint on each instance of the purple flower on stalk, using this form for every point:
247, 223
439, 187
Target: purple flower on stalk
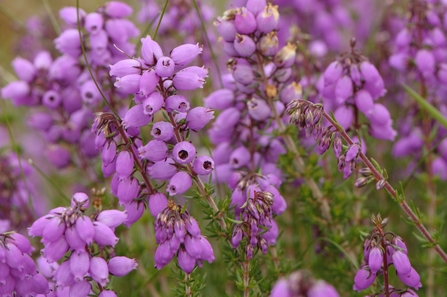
402, 263
375, 259
198, 117
179, 183
363, 279
184, 152
190, 78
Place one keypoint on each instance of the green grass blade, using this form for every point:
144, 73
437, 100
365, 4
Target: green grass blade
425, 105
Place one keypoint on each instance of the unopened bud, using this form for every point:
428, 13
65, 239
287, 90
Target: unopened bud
380, 184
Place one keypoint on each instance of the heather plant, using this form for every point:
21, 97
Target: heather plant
197, 140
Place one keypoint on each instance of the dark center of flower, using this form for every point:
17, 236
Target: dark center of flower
157, 131
166, 63
89, 95
183, 154
182, 105
207, 165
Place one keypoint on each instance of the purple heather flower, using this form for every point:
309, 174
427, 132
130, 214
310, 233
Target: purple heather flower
179, 183
157, 203
322, 289
258, 109
220, 99
136, 117
176, 103
268, 44
162, 131
79, 265
268, 19
165, 67
203, 165
124, 164
375, 259
281, 289
412, 279
240, 157
69, 15
93, 23
148, 83
402, 263
68, 43
185, 261
135, 211
198, 117
82, 288
286, 56
117, 9
128, 189
244, 45
99, 270
150, 50
112, 218
125, 67
73, 239
332, 73
245, 21
53, 230
190, 78
425, 62
104, 235
162, 170
184, 152
373, 81
226, 29
364, 102
185, 54
129, 84
363, 279
154, 150
85, 229
121, 266
343, 89
55, 250
153, 103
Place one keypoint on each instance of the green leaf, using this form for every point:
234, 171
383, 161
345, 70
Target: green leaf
425, 105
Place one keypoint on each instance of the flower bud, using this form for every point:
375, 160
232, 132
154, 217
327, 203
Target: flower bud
220, 99
286, 56
190, 78
117, 9
162, 170
104, 236
163, 131
128, 84
198, 117
128, 189
176, 103
268, 44
24, 69
148, 83
179, 183
99, 271
125, 67
203, 165
85, 229
154, 150
244, 45
185, 54
93, 23
245, 21
150, 50
363, 279
268, 19
157, 203
185, 261
79, 265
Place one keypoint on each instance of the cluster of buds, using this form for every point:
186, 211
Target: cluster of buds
69, 229
307, 115
16, 211
107, 33
258, 228
302, 284
352, 84
178, 234
380, 250
18, 272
